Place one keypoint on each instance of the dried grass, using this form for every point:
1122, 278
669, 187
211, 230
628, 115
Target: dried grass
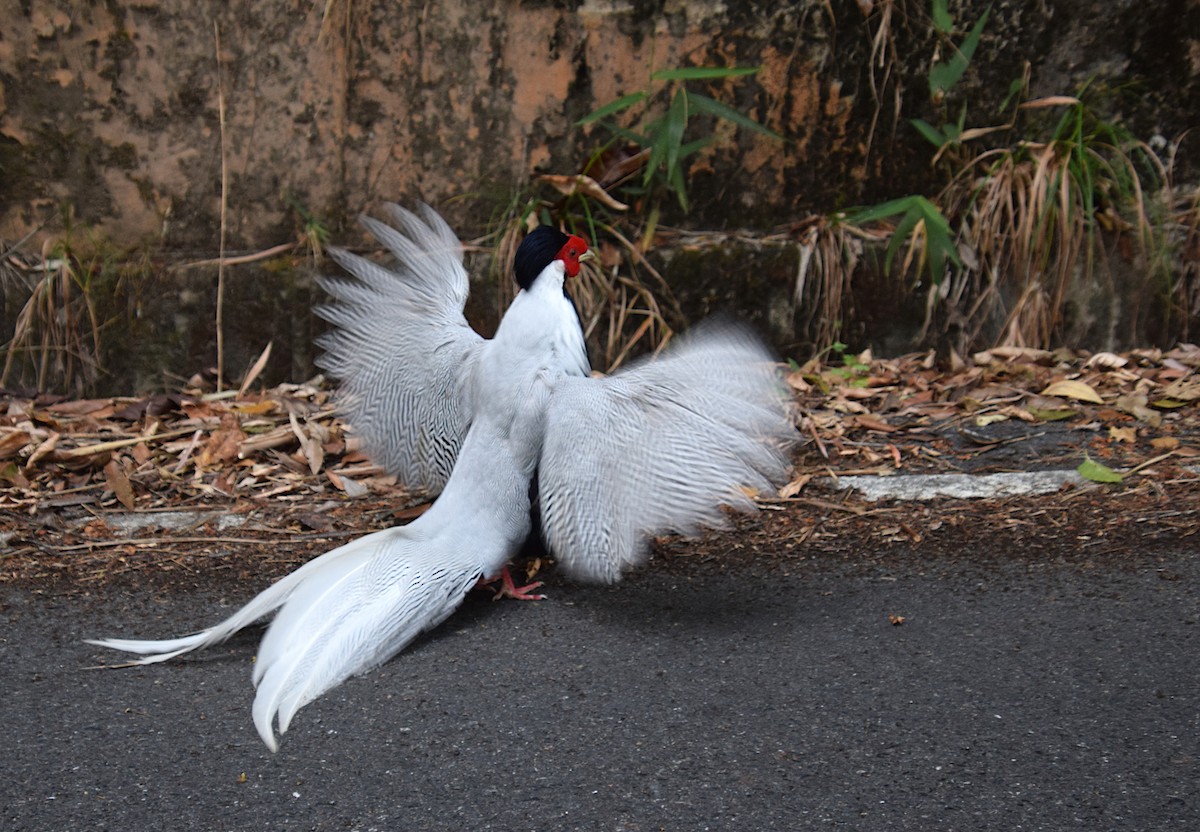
56, 336
1038, 220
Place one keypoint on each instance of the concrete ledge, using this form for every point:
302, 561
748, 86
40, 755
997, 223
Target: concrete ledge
961, 486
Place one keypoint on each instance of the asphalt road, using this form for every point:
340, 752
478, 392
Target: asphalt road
1014, 696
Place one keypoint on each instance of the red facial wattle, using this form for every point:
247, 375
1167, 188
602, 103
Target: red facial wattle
572, 250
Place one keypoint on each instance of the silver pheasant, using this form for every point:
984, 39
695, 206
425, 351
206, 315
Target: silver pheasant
658, 447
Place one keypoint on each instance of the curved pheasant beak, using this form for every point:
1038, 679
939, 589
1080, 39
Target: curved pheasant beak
586, 256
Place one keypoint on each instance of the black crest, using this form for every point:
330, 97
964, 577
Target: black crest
535, 253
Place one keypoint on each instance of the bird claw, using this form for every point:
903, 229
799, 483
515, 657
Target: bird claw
508, 589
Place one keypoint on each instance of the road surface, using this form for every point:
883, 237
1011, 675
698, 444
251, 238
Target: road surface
1020, 692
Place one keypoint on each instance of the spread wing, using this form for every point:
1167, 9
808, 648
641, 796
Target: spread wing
659, 448
401, 347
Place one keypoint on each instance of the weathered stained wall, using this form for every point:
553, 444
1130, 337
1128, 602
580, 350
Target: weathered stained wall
113, 108
110, 110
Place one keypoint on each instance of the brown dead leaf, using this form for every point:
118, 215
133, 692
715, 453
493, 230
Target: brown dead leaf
896, 620
43, 450
1116, 434
871, 422
262, 407
1185, 390
1135, 405
310, 445
1074, 389
1164, 443
118, 483
582, 184
79, 407
141, 453
797, 382
222, 446
255, 370
12, 440
795, 486
1107, 360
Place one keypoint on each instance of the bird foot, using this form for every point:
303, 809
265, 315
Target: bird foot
508, 589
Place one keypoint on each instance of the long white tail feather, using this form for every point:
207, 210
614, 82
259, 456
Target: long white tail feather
339, 615
262, 605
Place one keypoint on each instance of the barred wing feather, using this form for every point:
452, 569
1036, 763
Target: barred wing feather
660, 448
401, 347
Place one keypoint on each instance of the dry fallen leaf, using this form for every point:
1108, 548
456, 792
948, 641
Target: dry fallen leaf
118, 483
1122, 434
586, 185
795, 486
1108, 360
1073, 389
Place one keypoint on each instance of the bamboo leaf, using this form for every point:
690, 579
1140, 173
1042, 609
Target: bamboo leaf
703, 103
658, 150
903, 229
692, 147
882, 210
611, 107
677, 119
695, 73
679, 186
945, 75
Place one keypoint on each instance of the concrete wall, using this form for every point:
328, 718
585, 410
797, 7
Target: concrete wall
109, 110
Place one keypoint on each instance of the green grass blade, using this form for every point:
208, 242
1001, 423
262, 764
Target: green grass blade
941, 17
932, 135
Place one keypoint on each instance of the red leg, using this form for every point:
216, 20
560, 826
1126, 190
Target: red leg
508, 589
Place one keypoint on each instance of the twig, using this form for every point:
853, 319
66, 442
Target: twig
141, 542
1148, 463
224, 212
239, 260
101, 447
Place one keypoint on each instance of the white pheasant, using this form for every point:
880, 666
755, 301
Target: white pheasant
658, 447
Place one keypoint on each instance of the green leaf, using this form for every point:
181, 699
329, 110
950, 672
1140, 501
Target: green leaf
691, 147
1052, 415
677, 118
694, 73
939, 243
679, 186
882, 210
931, 133
658, 150
945, 75
704, 104
624, 102
1017, 85
903, 229
941, 17
1089, 469
640, 139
